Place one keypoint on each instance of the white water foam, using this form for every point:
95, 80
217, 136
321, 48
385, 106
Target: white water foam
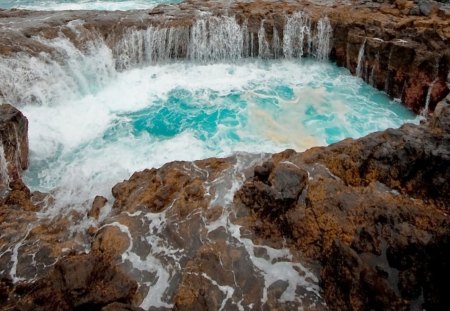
359, 66
59, 5
4, 176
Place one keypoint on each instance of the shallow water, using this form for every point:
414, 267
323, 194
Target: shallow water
146, 117
109, 5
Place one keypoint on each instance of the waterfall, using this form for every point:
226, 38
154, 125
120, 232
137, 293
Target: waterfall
71, 71
322, 39
297, 35
425, 110
263, 45
216, 38
359, 67
300, 40
4, 176
66, 73
276, 47
151, 45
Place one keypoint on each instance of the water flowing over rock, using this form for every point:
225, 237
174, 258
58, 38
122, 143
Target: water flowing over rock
358, 225
403, 55
13, 144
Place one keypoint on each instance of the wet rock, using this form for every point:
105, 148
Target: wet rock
376, 244
272, 189
117, 306
78, 282
425, 7
406, 55
98, 203
13, 143
111, 240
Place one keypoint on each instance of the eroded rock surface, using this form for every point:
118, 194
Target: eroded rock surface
404, 45
13, 145
373, 211
358, 225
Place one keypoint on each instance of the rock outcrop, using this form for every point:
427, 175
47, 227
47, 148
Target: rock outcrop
373, 211
77, 282
359, 225
13, 145
400, 47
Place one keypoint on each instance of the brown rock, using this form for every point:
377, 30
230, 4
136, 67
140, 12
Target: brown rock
78, 281
98, 203
111, 240
116, 306
13, 141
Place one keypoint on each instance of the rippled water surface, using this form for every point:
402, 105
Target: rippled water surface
146, 117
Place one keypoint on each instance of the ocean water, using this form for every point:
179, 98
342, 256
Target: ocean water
148, 116
109, 5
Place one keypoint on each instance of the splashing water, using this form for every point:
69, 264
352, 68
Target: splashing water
109, 5
4, 176
147, 117
359, 66
97, 116
92, 125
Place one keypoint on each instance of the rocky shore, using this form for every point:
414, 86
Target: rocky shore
404, 44
369, 215
358, 225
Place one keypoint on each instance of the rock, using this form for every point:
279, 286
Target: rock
425, 7
98, 203
86, 281
377, 246
13, 143
116, 306
418, 46
281, 188
111, 240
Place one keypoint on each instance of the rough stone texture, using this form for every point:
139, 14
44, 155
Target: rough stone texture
98, 203
374, 212
77, 282
13, 141
407, 54
117, 306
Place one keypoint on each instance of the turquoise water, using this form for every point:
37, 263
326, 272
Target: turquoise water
110, 5
146, 117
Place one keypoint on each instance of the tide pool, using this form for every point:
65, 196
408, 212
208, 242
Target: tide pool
145, 117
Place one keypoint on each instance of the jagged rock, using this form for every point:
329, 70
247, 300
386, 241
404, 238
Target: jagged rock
116, 306
425, 7
356, 215
13, 143
78, 282
407, 54
98, 203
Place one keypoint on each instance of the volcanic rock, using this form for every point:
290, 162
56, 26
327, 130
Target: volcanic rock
13, 143
374, 212
78, 282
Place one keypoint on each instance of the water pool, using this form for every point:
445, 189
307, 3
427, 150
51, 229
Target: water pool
148, 116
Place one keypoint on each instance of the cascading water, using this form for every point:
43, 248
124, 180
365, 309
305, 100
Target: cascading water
46, 79
98, 115
4, 176
359, 67
425, 110
263, 44
322, 39
220, 38
216, 39
57, 5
